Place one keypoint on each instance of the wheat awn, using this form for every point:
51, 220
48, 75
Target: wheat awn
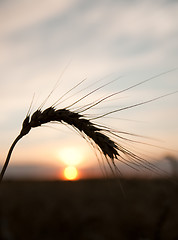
100, 136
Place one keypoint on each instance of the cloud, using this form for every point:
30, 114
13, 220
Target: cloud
99, 32
19, 15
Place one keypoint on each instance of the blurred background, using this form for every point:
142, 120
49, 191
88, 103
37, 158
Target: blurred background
44, 41
51, 46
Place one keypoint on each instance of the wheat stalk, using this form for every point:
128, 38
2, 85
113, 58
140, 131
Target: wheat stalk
100, 136
78, 121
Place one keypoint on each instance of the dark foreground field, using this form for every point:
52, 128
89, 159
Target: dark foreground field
89, 210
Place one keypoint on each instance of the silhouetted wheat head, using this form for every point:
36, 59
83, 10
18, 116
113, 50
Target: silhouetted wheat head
99, 136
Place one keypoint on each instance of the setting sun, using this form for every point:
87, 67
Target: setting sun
70, 173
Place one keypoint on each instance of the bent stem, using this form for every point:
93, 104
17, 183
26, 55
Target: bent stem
9, 155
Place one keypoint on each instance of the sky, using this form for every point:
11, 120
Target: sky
48, 45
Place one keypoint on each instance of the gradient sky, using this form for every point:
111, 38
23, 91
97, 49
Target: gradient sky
42, 39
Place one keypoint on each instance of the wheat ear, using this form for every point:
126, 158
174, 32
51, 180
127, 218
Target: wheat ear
107, 146
99, 136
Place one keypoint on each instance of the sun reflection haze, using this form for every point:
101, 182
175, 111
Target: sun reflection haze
71, 156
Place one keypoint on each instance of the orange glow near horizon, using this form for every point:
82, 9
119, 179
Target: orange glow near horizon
71, 173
